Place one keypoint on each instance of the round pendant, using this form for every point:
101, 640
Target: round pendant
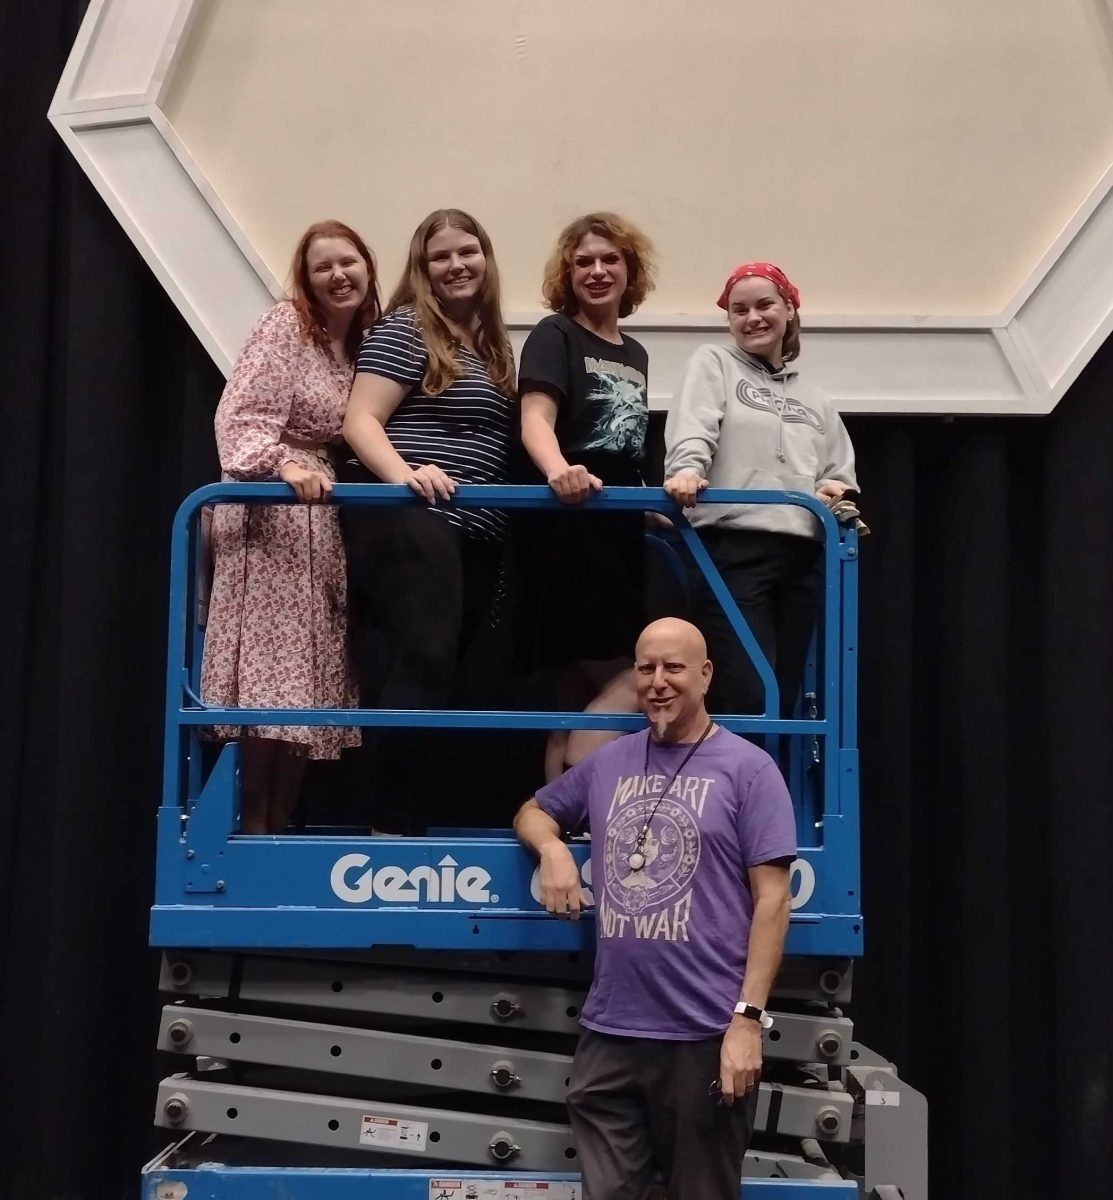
636, 860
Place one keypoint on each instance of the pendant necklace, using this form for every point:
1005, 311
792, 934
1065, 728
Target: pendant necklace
636, 861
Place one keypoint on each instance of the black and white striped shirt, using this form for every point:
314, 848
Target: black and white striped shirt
465, 431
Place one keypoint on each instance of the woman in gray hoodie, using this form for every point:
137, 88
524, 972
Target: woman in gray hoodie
745, 418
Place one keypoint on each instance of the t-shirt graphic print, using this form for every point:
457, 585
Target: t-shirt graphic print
618, 410
654, 901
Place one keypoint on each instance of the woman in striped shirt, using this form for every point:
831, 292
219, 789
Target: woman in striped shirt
433, 406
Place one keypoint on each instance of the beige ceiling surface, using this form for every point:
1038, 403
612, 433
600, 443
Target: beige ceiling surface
896, 156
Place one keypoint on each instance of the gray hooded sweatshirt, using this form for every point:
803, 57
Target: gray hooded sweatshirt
740, 425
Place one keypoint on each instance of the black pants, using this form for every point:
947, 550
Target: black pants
639, 1106
420, 591
580, 587
777, 581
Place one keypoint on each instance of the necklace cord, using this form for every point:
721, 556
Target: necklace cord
639, 842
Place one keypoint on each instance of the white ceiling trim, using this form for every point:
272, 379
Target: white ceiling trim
108, 111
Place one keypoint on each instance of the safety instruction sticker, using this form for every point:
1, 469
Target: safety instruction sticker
541, 1190
390, 1133
502, 1189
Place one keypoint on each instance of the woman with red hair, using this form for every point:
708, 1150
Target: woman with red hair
278, 618
746, 417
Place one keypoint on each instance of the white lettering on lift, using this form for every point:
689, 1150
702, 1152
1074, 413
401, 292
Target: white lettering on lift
585, 879
801, 882
355, 881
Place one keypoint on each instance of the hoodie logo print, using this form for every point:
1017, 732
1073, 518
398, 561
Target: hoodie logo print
763, 400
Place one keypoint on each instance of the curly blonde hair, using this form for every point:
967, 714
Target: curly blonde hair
492, 343
636, 248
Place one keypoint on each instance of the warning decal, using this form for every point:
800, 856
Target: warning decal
390, 1133
502, 1189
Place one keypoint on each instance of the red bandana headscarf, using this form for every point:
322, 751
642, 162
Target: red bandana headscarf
767, 271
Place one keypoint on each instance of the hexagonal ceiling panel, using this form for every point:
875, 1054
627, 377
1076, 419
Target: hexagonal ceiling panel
936, 177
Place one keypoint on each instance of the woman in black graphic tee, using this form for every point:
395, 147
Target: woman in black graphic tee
584, 418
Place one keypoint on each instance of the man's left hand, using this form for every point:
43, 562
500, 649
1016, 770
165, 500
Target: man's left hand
740, 1058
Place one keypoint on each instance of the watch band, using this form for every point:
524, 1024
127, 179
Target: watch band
754, 1014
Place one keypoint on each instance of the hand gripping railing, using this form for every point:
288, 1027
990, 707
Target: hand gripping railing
457, 888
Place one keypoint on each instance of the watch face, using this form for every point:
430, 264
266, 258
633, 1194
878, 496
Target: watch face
753, 1013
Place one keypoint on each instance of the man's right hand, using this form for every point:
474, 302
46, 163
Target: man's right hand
561, 893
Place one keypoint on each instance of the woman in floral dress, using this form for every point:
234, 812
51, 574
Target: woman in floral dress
277, 622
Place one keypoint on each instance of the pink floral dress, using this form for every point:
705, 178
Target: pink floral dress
278, 612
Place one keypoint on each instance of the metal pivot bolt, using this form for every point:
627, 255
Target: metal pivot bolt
827, 1121
180, 1033
176, 1108
181, 972
505, 1006
503, 1147
829, 1043
830, 981
503, 1074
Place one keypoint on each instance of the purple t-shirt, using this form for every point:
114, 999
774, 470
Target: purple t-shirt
671, 939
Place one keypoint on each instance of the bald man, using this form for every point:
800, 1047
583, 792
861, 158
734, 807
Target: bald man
692, 838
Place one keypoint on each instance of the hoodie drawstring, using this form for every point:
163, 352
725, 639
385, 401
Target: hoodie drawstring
780, 451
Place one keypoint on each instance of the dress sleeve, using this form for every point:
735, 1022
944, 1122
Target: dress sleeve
692, 426
838, 451
255, 406
394, 349
543, 366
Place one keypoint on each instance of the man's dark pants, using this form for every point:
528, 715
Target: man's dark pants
639, 1106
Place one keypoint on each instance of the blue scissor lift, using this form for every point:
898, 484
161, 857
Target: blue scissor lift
393, 1017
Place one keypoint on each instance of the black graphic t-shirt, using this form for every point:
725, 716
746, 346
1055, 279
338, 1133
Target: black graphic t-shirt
600, 390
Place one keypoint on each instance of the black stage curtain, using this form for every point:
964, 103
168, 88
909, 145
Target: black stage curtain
986, 710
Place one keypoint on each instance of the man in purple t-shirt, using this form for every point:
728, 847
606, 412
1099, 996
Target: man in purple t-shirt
692, 838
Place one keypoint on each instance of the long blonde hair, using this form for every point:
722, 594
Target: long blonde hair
492, 342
